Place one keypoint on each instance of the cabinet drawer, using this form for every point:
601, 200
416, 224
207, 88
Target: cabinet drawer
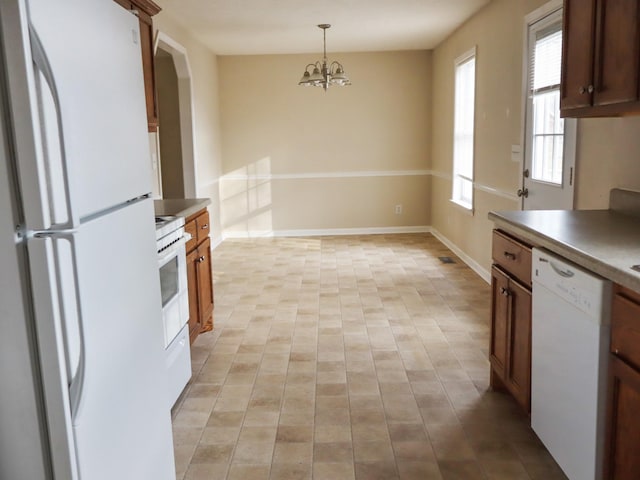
192, 229
202, 222
625, 328
512, 255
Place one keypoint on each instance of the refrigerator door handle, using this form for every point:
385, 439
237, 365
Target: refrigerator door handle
42, 64
76, 379
49, 322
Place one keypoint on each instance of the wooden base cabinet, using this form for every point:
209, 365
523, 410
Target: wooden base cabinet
623, 438
622, 448
199, 275
510, 348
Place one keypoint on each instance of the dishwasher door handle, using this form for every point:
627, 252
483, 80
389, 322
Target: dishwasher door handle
563, 273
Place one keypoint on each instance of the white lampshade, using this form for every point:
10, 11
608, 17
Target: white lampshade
305, 80
324, 77
316, 76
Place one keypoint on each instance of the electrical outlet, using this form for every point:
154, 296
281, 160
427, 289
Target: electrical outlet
398, 209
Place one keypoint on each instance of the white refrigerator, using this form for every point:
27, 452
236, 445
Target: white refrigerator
82, 385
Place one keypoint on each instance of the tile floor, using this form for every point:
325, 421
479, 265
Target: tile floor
357, 357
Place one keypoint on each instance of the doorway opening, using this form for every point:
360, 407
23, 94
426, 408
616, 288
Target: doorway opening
175, 140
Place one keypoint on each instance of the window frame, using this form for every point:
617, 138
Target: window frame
458, 178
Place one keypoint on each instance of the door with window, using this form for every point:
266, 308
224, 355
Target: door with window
550, 141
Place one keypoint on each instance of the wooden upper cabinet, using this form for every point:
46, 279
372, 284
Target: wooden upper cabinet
601, 58
145, 9
577, 53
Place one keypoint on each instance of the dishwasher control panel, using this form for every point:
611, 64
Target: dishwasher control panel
575, 285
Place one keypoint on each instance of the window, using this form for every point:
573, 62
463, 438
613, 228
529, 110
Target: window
547, 128
463, 129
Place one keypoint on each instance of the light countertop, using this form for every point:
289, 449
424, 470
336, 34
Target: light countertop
180, 207
604, 241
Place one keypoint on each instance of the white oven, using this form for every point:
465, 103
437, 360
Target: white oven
172, 264
172, 267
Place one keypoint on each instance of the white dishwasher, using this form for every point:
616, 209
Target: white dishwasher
569, 352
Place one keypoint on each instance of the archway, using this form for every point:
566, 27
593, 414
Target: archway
165, 45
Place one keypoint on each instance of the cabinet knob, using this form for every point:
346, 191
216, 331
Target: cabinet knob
505, 292
201, 259
523, 192
509, 255
582, 90
590, 89
205, 226
616, 351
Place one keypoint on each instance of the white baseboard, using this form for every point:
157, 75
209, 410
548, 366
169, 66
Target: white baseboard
326, 232
215, 242
473, 265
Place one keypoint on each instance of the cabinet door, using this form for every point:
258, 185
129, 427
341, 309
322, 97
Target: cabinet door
192, 281
499, 321
625, 326
518, 378
203, 227
618, 52
577, 53
622, 461
148, 69
205, 285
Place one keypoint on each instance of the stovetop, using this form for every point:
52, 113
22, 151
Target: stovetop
168, 229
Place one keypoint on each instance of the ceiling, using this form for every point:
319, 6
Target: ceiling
249, 27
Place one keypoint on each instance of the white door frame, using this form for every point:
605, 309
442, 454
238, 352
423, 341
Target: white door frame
570, 124
185, 101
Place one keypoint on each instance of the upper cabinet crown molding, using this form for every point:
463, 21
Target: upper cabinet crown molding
600, 58
147, 6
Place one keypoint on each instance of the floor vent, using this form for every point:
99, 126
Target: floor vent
446, 260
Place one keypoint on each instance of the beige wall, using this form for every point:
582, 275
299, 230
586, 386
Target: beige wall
204, 74
608, 149
609, 156
298, 159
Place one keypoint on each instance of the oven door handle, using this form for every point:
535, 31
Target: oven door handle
171, 249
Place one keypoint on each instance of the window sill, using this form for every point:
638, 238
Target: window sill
462, 206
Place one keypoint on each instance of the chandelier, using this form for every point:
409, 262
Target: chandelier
324, 74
